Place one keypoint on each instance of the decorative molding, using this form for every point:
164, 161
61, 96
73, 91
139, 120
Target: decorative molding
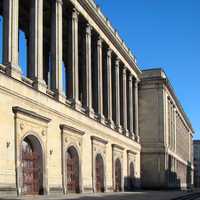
70, 128
29, 113
99, 139
131, 152
117, 146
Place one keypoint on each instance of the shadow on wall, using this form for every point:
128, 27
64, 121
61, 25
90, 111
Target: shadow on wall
189, 176
181, 181
168, 179
131, 184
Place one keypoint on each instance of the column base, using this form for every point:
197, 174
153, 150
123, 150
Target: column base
60, 96
101, 119
90, 112
40, 85
14, 71
77, 105
132, 136
137, 138
119, 128
126, 132
111, 123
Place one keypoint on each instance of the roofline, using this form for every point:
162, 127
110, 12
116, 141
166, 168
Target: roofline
111, 33
172, 91
196, 141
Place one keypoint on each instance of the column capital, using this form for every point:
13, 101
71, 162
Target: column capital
124, 70
88, 29
75, 14
136, 83
59, 2
109, 52
99, 41
130, 77
117, 62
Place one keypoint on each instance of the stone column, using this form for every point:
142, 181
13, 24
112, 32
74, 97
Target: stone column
136, 111
125, 103
56, 50
36, 45
109, 90
75, 83
100, 81
90, 110
131, 105
118, 125
11, 16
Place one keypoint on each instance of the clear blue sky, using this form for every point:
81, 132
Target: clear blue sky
161, 33
164, 33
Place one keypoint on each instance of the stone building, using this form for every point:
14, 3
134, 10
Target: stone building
166, 134
69, 118
196, 145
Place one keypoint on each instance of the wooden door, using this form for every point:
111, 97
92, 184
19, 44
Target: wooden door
30, 169
118, 176
132, 175
72, 171
99, 174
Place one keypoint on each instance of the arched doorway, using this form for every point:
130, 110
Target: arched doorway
72, 163
99, 173
32, 166
118, 174
132, 175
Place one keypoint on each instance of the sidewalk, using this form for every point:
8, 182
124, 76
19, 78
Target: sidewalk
140, 195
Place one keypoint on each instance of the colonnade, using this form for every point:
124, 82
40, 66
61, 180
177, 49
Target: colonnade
98, 83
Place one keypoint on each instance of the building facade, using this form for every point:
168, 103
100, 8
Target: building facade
69, 118
196, 145
166, 134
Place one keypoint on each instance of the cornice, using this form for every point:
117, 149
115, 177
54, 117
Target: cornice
117, 146
95, 13
29, 113
99, 139
163, 80
131, 152
64, 127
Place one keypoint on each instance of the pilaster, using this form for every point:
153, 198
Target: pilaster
36, 44
11, 10
56, 50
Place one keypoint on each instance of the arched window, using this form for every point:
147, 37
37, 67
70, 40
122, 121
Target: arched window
72, 170
118, 176
99, 173
32, 166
